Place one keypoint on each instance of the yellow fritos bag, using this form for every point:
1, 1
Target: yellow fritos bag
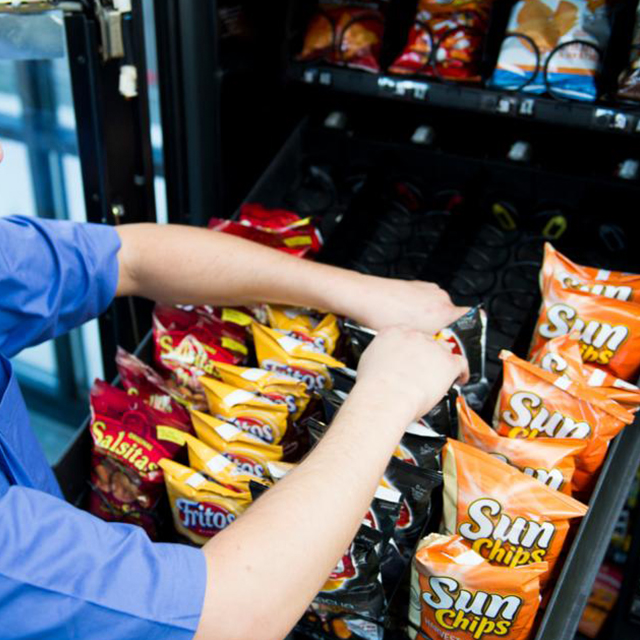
201, 508
297, 358
250, 411
306, 324
276, 386
251, 454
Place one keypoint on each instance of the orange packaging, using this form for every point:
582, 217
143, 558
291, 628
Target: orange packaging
250, 411
305, 324
276, 386
609, 329
251, 454
562, 355
549, 460
535, 403
507, 517
201, 508
457, 595
599, 282
297, 358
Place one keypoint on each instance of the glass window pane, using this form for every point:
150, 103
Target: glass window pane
16, 186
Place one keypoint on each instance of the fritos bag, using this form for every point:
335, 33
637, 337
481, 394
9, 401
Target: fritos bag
128, 444
250, 453
609, 329
296, 358
276, 386
455, 593
446, 39
201, 508
552, 461
141, 380
599, 282
535, 403
250, 411
562, 355
509, 518
188, 344
346, 33
304, 324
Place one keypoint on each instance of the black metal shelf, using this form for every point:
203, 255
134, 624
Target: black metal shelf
621, 119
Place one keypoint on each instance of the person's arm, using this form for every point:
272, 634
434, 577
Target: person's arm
184, 265
264, 570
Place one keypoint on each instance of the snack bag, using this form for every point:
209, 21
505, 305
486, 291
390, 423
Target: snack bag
562, 355
250, 453
188, 344
599, 282
553, 45
609, 329
629, 80
201, 508
250, 411
384, 511
346, 33
299, 359
509, 518
456, 593
305, 324
126, 480
278, 387
141, 380
552, 461
535, 403
446, 40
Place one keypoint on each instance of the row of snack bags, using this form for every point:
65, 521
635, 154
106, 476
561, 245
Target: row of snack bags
504, 527
549, 44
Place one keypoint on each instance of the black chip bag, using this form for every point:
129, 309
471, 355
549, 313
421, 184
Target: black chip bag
384, 511
342, 379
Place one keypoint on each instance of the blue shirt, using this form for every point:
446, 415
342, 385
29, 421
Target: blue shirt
63, 572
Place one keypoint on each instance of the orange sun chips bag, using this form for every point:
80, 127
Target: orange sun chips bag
455, 593
552, 461
535, 403
507, 517
609, 329
599, 282
562, 355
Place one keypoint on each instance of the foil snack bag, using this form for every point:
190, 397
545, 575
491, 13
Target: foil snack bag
305, 324
535, 403
456, 593
201, 508
551, 461
507, 517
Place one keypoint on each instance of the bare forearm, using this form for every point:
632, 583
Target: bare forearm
276, 557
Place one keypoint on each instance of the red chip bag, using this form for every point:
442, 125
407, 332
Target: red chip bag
128, 444
346, 33
609, 329
600, 282
535, 403
446, 40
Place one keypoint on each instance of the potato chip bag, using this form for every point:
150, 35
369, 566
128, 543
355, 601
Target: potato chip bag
507, 517
599, 282
562, 355
535, 403
299, 359
201, 508
550, 460
305, 324
609, 329
250, 453
456, 594
278, 387
250, 411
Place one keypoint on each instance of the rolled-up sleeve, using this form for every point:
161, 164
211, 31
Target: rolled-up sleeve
67, 574
54, 275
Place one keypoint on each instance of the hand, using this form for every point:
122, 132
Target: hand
385, 302
403, 365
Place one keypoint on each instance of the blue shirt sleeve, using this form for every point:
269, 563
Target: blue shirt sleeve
66, 574
54, 275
